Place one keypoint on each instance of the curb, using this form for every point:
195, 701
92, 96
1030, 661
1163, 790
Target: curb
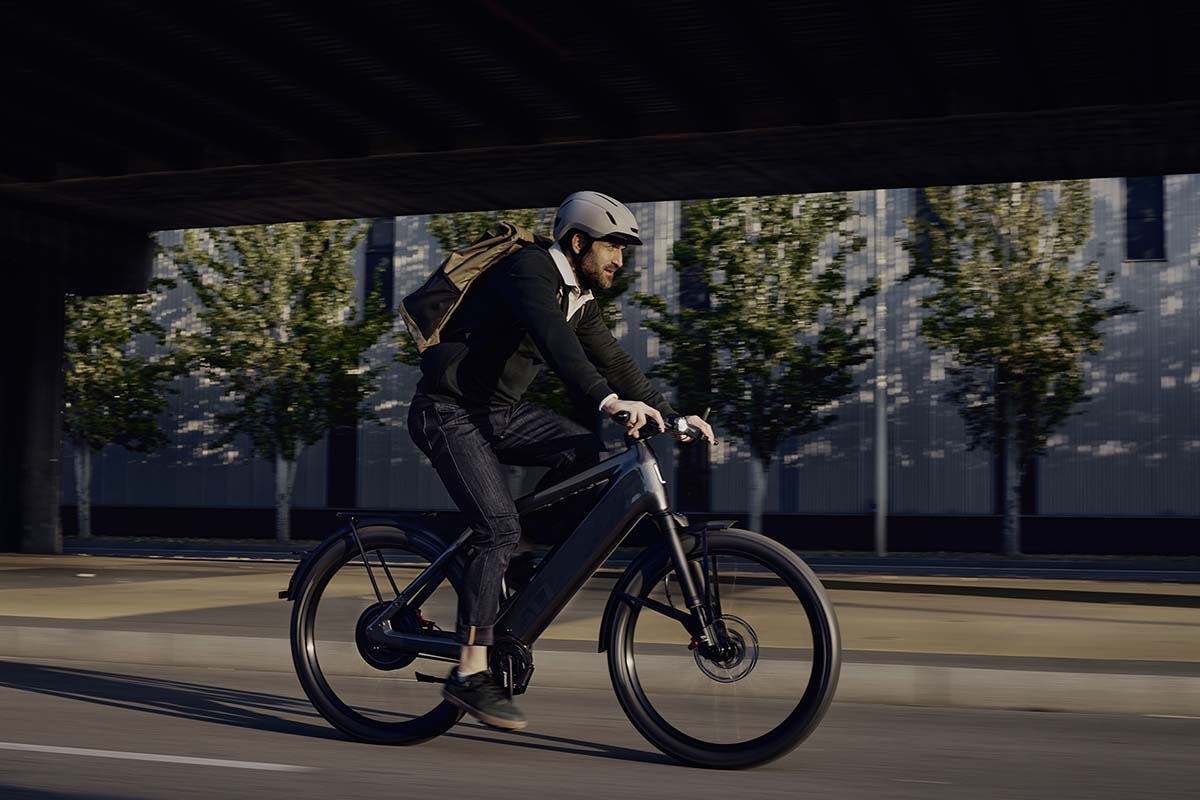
892, 684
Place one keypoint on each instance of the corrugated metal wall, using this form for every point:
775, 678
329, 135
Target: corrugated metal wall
1134, 449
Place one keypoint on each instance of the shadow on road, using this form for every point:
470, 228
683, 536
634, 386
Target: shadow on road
10, 792
255, 710
194, 701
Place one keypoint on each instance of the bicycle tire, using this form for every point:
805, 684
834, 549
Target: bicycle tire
811, 705
437, 720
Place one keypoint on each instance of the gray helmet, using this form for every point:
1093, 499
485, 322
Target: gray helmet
597, 215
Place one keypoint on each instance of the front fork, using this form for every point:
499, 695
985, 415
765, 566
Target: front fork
704, 627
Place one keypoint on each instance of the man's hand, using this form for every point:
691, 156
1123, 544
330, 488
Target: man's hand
639, 414
697, 422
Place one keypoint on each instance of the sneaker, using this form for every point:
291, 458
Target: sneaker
480, 696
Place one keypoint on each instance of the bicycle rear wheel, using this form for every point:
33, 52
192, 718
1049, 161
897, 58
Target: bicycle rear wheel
366, 690
773, 686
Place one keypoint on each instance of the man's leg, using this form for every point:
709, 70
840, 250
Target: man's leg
460, 444
536, 436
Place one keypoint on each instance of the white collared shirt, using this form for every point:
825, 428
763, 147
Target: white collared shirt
578, 298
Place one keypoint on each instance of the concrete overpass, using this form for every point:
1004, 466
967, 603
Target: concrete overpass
124, 118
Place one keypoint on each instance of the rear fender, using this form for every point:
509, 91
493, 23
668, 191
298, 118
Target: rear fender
648, 563
344, 537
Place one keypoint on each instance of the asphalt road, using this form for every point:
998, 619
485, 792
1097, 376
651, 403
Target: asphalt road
110, 730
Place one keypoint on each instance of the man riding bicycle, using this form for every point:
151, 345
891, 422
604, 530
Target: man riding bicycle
467, 416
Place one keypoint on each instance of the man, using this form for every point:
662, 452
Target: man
467, 416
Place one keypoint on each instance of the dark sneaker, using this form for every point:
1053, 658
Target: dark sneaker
481, 697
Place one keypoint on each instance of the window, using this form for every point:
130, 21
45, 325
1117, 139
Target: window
380, 273
1144, 239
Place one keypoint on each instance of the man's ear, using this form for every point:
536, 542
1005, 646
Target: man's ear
576, 237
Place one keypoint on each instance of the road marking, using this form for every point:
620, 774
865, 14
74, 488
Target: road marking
915, 780
202, 762
1171, 716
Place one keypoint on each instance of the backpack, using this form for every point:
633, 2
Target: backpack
427, 310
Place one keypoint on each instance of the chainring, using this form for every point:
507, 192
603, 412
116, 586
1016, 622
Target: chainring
510, 657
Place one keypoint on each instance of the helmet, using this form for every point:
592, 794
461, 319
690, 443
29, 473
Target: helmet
597, 215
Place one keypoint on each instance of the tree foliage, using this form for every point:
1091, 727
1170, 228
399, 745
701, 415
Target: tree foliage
1008, 305
776, 344
113, 393
280, 329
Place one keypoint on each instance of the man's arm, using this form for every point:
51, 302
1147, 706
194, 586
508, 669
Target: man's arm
616, 365
529, 287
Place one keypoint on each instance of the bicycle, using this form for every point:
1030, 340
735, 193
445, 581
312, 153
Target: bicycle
668, 627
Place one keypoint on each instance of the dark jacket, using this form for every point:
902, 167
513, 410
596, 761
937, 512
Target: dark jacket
510, 323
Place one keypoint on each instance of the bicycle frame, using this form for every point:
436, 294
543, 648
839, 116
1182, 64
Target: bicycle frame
635, 488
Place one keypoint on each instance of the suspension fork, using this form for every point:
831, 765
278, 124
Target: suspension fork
697, 604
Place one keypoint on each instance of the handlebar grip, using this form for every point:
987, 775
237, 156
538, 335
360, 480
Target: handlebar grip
621, 417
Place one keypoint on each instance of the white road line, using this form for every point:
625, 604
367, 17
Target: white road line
202, 762
1170, 716
915, 780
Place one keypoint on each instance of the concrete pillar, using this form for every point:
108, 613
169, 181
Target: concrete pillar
41, 258
31, 347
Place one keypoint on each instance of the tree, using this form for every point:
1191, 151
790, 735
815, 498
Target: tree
1012, 311
776, 344
112, 393
281, 333
455, 231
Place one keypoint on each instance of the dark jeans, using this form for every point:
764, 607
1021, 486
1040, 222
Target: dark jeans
467, 447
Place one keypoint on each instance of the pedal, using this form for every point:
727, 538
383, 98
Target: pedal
423, 678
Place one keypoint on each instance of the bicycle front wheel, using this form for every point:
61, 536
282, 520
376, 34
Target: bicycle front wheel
769, 688
367, 690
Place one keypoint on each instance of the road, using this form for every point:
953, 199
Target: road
141, 678
268, 743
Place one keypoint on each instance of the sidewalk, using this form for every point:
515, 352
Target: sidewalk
990, 641
1148, 569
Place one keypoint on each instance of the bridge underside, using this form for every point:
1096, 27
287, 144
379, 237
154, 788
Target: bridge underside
172, 115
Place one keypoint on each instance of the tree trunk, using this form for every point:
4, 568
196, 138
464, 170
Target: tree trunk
1012, 496
285, 482
758, 491
83, 488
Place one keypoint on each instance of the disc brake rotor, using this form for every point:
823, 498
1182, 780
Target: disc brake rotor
740, 662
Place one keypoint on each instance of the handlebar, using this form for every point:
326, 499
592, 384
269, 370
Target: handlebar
651, 429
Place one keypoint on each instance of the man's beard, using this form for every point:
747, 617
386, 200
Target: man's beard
591, 275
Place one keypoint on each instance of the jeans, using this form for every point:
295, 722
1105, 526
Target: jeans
467, 446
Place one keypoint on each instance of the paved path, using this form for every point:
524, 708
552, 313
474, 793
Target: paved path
980, 642
1108, 568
